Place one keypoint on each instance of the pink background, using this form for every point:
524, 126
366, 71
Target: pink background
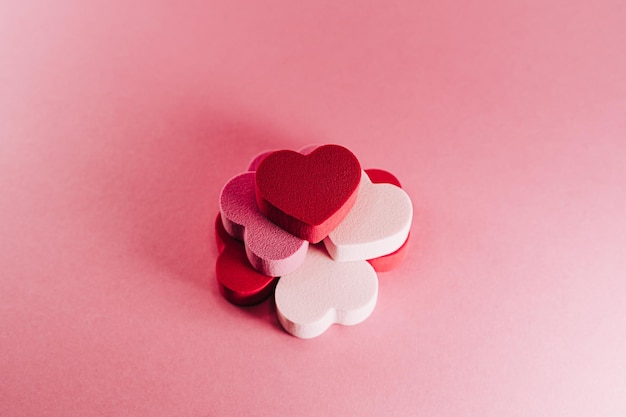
505, 121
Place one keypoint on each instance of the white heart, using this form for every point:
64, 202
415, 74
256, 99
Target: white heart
323, 292
377, 225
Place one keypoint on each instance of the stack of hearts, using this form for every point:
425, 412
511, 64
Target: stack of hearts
314, 229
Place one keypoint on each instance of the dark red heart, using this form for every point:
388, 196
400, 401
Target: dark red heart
237, 280
308, 195
380, 176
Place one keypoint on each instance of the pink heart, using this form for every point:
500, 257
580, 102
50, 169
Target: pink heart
270, 249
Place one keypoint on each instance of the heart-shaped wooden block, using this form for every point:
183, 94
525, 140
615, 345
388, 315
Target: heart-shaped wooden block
308, 195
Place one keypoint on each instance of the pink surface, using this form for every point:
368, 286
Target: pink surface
120, 123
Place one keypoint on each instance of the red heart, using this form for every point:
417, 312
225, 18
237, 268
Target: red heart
380, 176
237, 280
308, 195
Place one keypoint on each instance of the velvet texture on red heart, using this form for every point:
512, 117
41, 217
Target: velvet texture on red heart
308, 195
